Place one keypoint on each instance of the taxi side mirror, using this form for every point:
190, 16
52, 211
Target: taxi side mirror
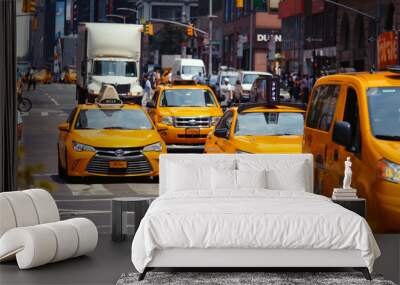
221, 133
150, 104
342, 134
64, 127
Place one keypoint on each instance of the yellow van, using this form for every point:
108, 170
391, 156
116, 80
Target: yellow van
184, 113
358, 116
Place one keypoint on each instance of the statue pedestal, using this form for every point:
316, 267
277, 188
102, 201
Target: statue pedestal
341, 193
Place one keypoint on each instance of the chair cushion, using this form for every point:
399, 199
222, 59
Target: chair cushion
45, 205
7, 220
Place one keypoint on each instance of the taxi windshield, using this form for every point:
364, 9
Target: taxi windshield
187, 98
114, 68
269, 124
101, 119
384, 112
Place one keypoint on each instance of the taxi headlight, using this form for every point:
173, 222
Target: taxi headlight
153, 147
167, 120
214, 120
389, 171
82, 147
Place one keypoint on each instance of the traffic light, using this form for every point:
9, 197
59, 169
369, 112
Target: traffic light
189, 30
239, 3
148, 29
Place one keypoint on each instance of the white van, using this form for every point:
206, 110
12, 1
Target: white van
188, 69
247, 79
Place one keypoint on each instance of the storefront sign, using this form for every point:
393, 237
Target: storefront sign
318, 6
388, 50
288, 8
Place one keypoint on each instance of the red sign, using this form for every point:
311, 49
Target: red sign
288, 8
388, 51
318, 6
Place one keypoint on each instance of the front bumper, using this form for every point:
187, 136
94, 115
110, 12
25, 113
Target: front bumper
180, 136
388, 199
84, 164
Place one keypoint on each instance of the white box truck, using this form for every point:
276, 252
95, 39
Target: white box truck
108, 54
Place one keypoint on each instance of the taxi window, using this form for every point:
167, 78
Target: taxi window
187, 98
323, 107
71, 116
100, 119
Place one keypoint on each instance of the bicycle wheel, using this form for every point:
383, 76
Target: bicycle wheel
24, 105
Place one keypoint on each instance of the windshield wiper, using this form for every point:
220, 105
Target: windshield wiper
388, 137
115, 128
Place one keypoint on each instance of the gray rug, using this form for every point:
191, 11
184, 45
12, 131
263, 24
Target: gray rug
243, 278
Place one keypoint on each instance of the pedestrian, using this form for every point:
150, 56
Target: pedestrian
226, 93
31, 78
296, 88
157, 78
290, 86
147, 91
238, 92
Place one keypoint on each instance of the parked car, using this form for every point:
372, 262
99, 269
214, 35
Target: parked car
184, 113
358, 116
247, 79
109, 139
258, 128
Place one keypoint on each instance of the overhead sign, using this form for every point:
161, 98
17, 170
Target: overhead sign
388, 49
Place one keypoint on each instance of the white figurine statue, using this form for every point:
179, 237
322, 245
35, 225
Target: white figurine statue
347, 174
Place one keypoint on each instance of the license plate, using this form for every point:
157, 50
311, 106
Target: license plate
192, 131
118, 164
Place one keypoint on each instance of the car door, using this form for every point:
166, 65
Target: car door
318, 131
153, 111
63, 137
363, 175
224, 145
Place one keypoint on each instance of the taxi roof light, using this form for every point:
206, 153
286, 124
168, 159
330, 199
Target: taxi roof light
108, 96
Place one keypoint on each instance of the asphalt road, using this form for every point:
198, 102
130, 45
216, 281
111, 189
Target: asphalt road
85, 197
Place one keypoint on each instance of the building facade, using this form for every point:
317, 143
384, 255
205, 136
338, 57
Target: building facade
324, 38
252, 35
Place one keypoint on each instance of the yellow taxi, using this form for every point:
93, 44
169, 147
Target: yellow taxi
43, 76
184, 113
258, 128
109, 138
358, 116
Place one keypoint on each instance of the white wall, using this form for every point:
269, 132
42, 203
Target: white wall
22, 31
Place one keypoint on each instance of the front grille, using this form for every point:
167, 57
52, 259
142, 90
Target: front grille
192, 122
122, 89
137, 163
119, 152
192, 136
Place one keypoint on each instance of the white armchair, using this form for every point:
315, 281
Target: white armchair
31, 230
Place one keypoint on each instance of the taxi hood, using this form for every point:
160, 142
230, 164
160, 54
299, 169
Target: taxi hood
116, 138
191, 111
269, 144
388, 149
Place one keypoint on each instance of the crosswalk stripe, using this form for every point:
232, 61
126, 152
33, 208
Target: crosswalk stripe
87, 190
144, 188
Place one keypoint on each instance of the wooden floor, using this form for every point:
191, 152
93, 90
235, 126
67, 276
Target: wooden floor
106, 264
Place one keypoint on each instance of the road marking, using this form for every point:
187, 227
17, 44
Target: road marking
54, 101
44, 114
144, 188
87, 190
